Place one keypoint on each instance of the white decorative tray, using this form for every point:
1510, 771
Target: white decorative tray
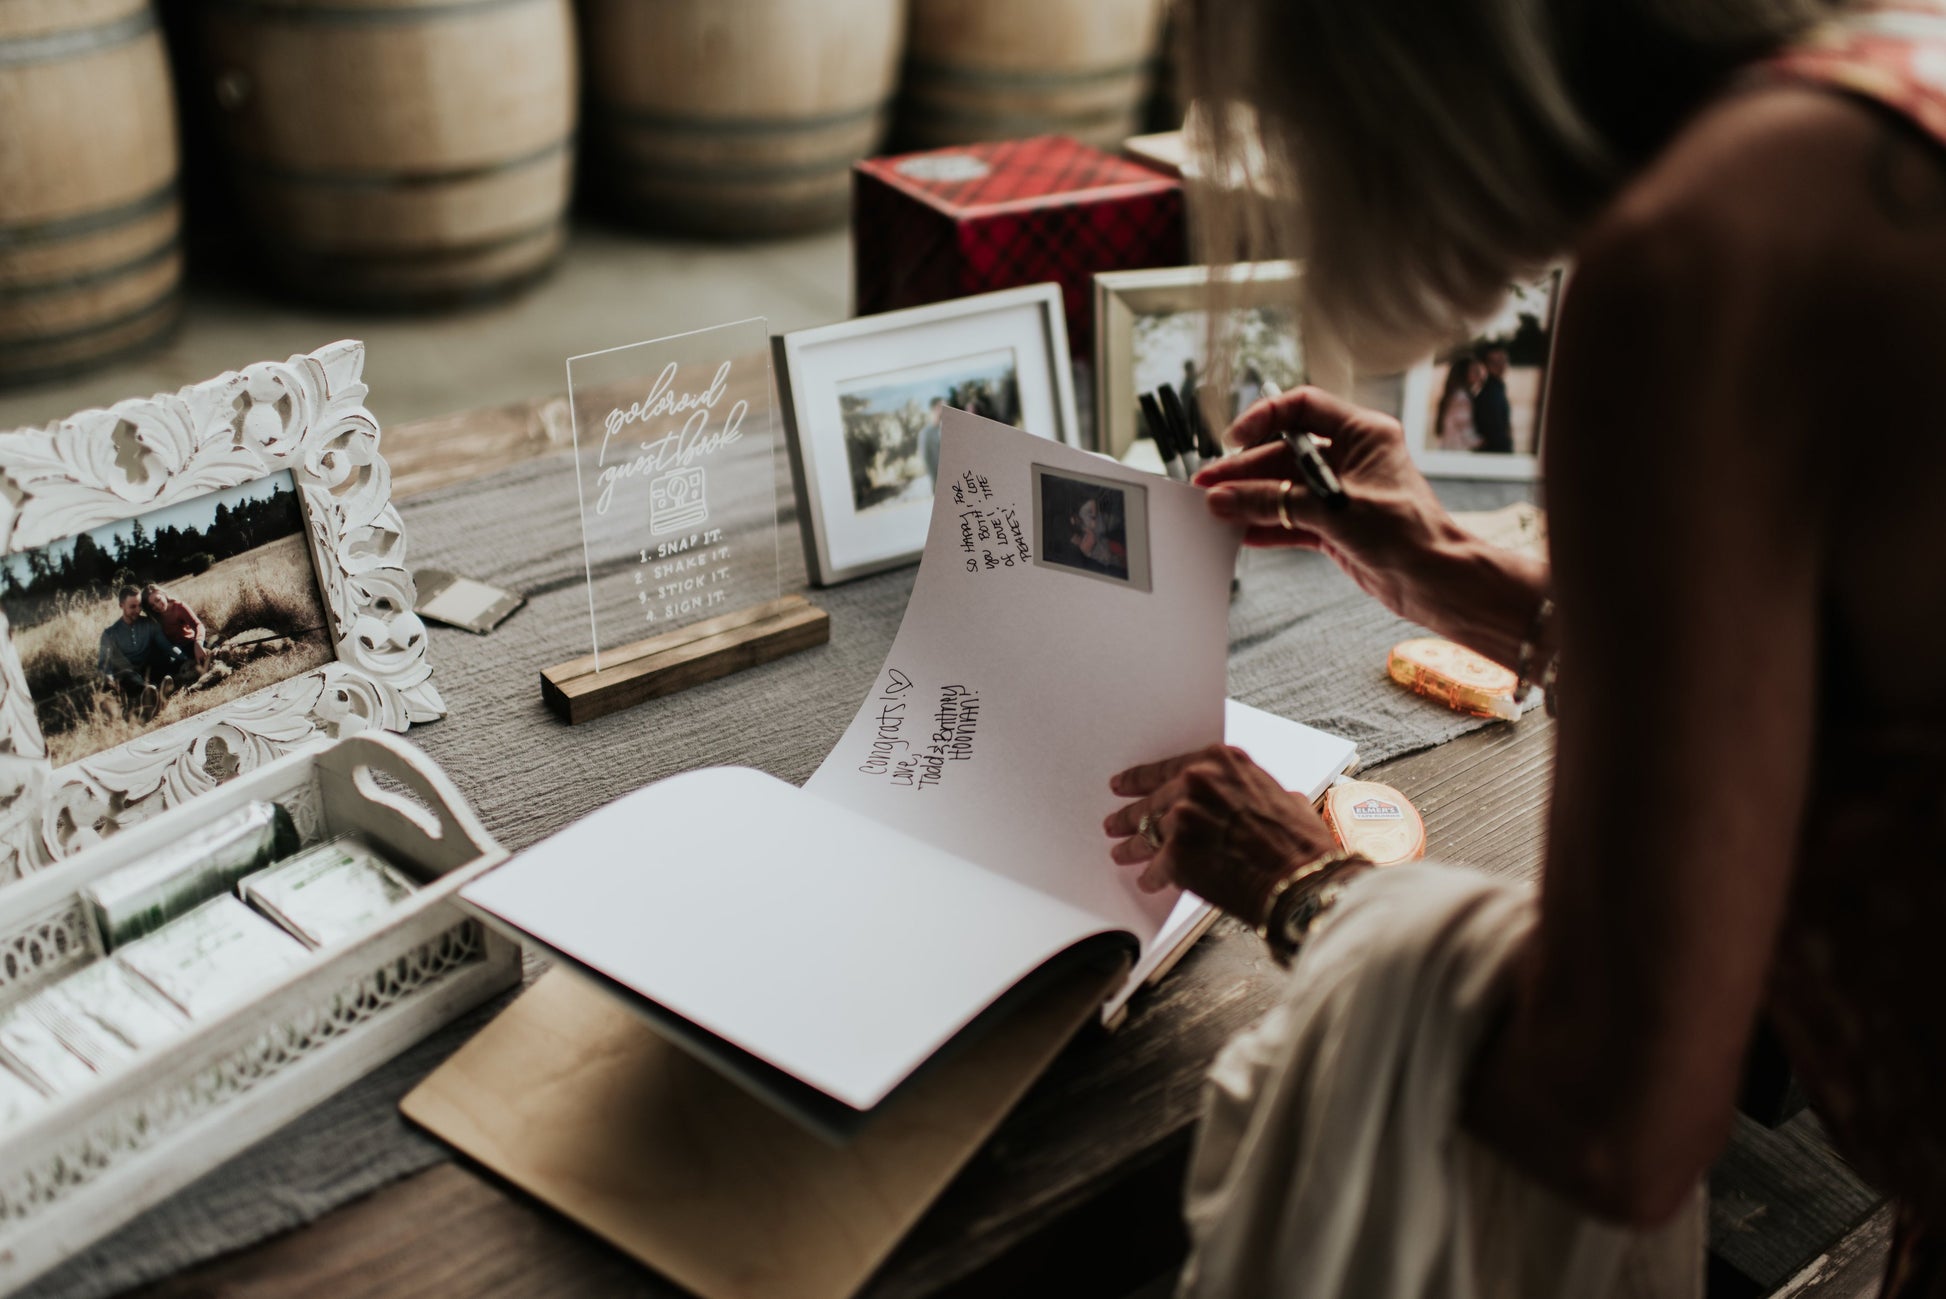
93, 1160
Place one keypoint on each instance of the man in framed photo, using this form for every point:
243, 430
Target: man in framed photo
1493, 412
136, 659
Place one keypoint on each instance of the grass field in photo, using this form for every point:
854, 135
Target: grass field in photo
264, 617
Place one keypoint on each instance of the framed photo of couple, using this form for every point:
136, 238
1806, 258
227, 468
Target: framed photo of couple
1475, 409
193, 585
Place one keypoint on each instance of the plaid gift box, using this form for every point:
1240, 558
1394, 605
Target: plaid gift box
952, 222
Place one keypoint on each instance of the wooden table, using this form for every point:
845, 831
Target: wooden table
1078, 1192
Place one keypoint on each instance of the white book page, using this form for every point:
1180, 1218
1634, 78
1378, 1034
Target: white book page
843, 952
1301, 758
1044, 650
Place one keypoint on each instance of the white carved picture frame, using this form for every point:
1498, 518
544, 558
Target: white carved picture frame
306, 416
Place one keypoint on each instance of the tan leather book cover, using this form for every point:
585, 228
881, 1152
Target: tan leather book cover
574, 1098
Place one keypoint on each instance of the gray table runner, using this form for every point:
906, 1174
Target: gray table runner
1305, 643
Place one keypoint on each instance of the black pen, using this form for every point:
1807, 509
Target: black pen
1318, 475
1164, 442
1205, 444
1181, 428
1317, 472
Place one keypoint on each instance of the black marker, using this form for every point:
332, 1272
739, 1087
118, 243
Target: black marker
1205, 444
1317, 472
1318, 475
1164, 442
1179, 426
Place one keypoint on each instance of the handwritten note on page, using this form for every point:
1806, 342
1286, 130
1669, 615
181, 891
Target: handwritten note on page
1069, 620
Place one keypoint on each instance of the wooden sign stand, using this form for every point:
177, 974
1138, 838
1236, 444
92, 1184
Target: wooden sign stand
688, 656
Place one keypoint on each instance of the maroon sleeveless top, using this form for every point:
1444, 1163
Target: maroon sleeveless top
1854, 995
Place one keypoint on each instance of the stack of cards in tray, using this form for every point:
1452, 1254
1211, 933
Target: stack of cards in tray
335, 891
183, 947
143, 897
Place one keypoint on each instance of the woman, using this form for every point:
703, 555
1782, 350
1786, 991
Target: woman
1749, 810
1463, 379
1093, 523
180, 625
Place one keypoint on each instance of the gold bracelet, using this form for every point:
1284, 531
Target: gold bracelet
1283, 926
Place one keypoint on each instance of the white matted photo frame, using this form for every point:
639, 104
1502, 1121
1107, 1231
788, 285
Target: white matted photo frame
194, 584
861, 409
1476, 409
1153, 327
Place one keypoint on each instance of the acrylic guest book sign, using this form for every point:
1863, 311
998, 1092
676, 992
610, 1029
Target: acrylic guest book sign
675, 445
820, 944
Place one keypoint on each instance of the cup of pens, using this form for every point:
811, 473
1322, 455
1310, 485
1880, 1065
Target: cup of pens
1180, 434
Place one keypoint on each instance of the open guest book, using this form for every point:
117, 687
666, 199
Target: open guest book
784, 1018
820, 945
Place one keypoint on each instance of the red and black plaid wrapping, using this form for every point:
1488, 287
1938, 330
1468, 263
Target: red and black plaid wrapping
952, 222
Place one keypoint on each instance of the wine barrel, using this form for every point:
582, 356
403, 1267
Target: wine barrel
1006, 69
397, 153
740, 117
90, 222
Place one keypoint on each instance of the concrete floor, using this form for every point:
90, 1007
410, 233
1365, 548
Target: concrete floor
610, 288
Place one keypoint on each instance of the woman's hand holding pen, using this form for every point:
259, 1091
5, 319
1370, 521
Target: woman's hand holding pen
1394, 538
1394, 517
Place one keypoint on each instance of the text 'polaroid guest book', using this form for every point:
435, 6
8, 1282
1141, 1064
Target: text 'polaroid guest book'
675, 462
879, 963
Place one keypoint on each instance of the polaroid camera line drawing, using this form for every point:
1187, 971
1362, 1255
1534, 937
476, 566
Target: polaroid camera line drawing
677, 500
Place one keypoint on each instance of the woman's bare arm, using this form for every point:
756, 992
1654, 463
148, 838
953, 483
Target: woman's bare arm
1686, 519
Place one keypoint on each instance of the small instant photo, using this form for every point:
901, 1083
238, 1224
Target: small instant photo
1095, 526
462, 602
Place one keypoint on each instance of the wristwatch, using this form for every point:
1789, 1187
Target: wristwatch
1292, 908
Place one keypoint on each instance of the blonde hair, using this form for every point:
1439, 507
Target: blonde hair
1422, 155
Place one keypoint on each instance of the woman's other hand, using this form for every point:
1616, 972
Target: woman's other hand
1228, 830
1395, 539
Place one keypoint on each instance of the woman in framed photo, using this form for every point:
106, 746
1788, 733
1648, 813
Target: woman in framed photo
180, 625
1744, 465
1464, 377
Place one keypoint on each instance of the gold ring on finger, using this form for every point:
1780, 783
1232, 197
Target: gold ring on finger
1148, 829
1284, 506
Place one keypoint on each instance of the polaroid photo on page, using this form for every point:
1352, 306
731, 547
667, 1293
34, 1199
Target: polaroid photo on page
1094, 526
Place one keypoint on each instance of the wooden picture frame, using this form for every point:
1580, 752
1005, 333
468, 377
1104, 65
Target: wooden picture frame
1125, 298
304, 417
929, 350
